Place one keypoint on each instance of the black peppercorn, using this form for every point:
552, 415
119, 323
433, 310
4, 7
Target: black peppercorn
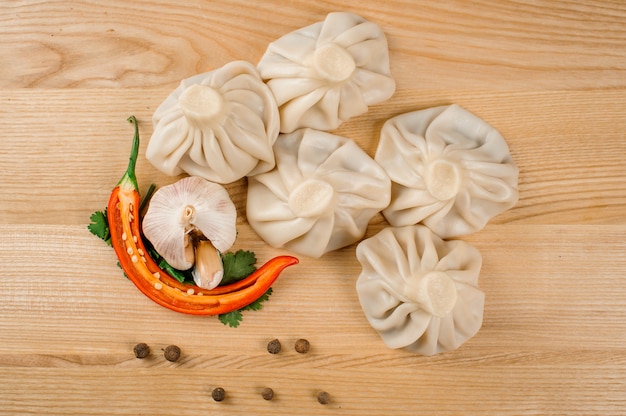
218, 394
273, 347
323, 397
267, 393
172, 353
141, 350
303, 346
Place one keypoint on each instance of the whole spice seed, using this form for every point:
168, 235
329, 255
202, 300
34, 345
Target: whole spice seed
172, 353
218, 394
302, 346
267, 393
273, 347
141, 350
323, 397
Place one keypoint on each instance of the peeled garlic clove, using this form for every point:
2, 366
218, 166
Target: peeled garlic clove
191, 205
209, 268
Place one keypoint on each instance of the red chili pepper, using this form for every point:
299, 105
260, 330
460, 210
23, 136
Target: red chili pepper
158, 285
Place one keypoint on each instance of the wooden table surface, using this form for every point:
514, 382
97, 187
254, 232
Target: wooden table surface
549, 75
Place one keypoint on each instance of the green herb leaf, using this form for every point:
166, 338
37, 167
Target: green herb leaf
237, 266
100, 226
182, 276
146, 198
234, 318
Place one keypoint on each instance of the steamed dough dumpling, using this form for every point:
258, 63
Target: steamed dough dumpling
420, 292
450, 170
328, 72
218, 125
320, 196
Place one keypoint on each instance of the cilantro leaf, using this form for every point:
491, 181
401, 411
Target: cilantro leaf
100, 226
238, 265
234, 318
182, 276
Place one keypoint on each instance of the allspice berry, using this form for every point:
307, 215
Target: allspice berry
273, 347
323, 397
141, 350
218, 394
267, 393
171, 353
303, 346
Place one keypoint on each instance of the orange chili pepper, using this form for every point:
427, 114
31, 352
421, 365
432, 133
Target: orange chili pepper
158, 285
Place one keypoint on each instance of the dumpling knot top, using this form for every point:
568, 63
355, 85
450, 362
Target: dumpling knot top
420, 292
219, 125
320, 196
449, 169
328, 72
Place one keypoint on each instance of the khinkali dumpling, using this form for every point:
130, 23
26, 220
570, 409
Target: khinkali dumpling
219, 125
328, 72
449, 169
418, 291
320, 196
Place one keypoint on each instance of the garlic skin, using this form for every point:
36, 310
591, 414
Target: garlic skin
179, 211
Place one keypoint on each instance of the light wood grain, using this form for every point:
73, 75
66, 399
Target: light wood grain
550, 76
483, 44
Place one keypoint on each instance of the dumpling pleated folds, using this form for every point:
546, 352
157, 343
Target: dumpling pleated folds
328, 72
418, 291
219, 125
450, 170
320, 196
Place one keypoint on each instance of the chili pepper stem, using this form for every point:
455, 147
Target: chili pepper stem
129, 177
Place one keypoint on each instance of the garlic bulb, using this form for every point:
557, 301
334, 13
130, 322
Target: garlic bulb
182, 216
